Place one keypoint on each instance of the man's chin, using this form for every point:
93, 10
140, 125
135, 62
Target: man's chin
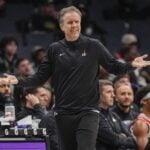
125, 106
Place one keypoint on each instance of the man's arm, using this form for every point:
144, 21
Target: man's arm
39, 78
108, 136
116, 67
140, 130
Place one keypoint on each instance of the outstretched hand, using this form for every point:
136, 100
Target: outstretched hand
139, 62
8, 79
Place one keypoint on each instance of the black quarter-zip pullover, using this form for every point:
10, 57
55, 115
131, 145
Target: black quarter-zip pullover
74, 68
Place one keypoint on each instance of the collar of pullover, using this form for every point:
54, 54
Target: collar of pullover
73, 43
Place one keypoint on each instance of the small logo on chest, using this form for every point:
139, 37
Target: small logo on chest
61, 54
84, 53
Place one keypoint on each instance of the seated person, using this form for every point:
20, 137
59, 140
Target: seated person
6, 93
141, 126
31, 105
112, 134
124, 98
45, 97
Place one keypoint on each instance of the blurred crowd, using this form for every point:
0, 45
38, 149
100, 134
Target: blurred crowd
124, 100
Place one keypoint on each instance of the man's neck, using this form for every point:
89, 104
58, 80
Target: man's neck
103, 106
71, 39
9, 57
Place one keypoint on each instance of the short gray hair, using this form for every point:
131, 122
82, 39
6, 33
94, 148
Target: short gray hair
66, 10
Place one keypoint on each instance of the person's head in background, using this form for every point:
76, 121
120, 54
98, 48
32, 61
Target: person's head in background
106, 94
6, 90
38, 54
128, 54
70, 22
8, 46
129, 40
121, 80
143, 98
142, 123
124, 97
24, 67
129, 47
43, 94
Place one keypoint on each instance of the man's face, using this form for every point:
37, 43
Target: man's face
11, 48
71, 26
40, 56
25, 68
5, 89
124, 96
107, 95
44, 97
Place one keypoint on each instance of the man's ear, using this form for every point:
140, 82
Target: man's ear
61, 26
143, 102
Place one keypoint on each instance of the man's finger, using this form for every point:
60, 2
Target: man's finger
6, 75
144, 56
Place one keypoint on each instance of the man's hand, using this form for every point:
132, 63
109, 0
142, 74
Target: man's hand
9, 79
32, 99
139, 62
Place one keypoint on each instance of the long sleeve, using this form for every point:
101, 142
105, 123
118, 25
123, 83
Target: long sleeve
111, 138
109, 63
42, 75
38, 111
107, 135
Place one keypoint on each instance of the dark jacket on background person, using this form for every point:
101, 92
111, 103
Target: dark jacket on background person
49, 122
37, 112
6, 66
126, 118
112, 134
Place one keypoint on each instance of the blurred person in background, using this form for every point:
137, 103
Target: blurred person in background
45, 97
112, 134
124, 100
31, 104
8, 54
129, 47
3, 8
129, 51
125, 80
24, 67
45, 17
6, 91
38, 54
141, 126
121, 79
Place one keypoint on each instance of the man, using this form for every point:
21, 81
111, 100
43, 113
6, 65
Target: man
24, 67
141, 125
6, 91
124, 100
31, 105
45, 97
73, 64
112, 133
8, 54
